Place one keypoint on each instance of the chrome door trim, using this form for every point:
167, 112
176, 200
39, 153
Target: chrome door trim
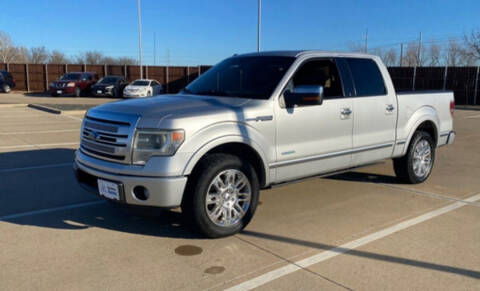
330, 155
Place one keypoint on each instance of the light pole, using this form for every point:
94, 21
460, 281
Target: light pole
259, 24
140, 37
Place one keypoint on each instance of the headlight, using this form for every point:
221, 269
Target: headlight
109, 87
150, 143
71, 84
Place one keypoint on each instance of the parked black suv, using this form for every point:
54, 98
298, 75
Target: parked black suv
110, 86
6, 81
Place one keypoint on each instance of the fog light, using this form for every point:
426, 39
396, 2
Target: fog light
141, 193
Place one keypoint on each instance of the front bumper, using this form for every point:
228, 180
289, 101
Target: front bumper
102, 92
165, 192
62, 90
134, 94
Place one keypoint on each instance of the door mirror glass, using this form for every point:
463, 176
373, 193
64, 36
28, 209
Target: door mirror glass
304, 95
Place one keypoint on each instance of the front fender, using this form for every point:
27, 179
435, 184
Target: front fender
224, 133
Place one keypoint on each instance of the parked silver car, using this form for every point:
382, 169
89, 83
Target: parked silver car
255, 120
143, 88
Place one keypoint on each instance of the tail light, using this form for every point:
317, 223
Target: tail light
452, 107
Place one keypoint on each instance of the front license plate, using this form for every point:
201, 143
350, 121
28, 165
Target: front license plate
99, 91
59, 91
108, 189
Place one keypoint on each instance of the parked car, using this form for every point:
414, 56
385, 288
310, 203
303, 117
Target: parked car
143, 88
6, 81
253, 121
110, 86
73, 83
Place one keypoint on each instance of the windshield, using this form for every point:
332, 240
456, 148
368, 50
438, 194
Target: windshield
246, 77
108, 80
71, 76
141, 83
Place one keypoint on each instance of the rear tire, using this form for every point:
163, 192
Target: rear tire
416, 166
213, 204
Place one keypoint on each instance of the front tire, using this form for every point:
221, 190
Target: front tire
6, 88
416, 166
222, 195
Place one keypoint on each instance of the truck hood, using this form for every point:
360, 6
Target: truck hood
153, 110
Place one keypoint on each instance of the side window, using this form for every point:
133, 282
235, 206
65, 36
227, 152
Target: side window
367, 77
87, 77
320, 73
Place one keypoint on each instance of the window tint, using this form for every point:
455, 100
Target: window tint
367, 77
320, 73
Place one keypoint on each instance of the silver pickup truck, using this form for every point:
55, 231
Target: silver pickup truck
256, 120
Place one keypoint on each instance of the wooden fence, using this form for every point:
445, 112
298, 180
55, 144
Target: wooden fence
36, 77
464, 81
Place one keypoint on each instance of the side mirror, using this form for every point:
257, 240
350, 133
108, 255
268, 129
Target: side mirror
304, 95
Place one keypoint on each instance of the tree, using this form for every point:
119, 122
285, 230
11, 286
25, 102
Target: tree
38, 55
456, 54
7, 48
472, 42
90, 58
412, 57
57, 57
434, 54
389, 57
126, 61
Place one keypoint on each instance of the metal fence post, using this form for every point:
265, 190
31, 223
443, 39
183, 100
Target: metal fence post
414, 77
166, 79
46, 77
445, 78
66, 68
199, 73
84, 68
188, 75
125, 71
476, 87
27, 77
8, 67
105, 71
146, 71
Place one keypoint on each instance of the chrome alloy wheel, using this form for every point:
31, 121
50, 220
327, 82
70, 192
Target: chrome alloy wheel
422, 158
228, 197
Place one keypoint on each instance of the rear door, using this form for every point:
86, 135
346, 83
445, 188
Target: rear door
374, 113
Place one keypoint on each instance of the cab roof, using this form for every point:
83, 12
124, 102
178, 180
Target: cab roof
298, 53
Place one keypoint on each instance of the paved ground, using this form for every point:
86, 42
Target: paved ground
42, 98
360, 230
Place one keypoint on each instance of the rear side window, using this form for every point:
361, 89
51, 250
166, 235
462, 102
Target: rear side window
367, 77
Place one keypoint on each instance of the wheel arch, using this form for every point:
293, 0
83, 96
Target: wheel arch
238, 146
426, 119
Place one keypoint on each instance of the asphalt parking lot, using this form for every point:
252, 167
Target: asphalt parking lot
360, 230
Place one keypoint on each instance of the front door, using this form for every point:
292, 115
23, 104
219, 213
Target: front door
314, 139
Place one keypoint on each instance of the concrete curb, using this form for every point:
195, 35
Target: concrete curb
13, 105
56, 111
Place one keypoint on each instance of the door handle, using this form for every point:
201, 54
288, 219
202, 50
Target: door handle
390, 107
346, 111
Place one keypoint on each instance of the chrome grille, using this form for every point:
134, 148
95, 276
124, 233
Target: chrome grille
108, 136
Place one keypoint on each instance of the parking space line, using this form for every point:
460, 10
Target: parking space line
22, 146
323, 256
40, 131
48, 210
35, 167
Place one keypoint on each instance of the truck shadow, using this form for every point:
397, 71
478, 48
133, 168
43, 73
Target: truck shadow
366, 178
37, 180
